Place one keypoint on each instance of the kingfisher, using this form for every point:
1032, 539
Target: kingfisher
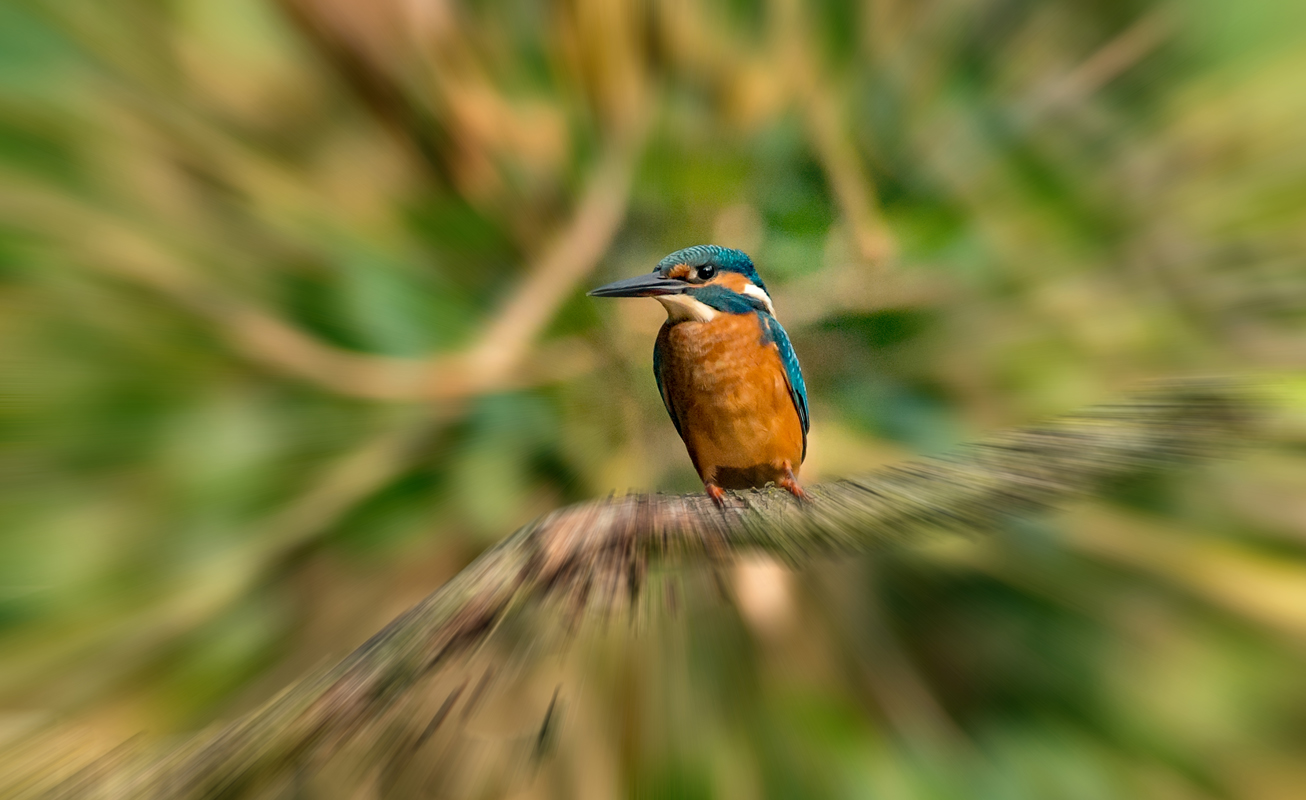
725, 369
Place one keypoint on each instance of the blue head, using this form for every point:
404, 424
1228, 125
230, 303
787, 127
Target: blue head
714, 259
697, 280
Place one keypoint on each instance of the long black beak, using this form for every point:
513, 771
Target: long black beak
650, 285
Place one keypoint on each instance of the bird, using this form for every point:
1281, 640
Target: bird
726, 370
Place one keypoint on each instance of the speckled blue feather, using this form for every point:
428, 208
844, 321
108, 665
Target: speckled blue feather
773, 331
723, 258
666, 401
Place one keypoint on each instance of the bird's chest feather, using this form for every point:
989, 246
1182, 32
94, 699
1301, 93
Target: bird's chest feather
722, 363
729, 392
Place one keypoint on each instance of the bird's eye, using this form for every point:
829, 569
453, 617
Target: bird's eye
706, 272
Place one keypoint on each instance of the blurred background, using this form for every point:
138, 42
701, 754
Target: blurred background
293, 326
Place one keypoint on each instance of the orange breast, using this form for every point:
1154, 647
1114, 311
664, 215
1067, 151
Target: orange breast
731, 400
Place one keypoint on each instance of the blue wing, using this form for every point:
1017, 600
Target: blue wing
666, 399
773, 331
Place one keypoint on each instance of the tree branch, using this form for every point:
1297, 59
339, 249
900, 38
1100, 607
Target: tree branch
595, 556
850, 184
497, 360
1104, 65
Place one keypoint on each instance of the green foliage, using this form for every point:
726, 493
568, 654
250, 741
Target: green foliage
1077, 195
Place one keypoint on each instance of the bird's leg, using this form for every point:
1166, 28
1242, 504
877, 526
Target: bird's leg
789, 483
715, 492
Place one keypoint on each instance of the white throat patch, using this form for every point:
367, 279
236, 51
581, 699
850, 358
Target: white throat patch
760, 294
683, 308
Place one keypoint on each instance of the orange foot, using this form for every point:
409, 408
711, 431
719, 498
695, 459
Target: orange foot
790, 484
715, 492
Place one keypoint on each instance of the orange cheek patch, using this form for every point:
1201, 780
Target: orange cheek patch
679, 272
731, 280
